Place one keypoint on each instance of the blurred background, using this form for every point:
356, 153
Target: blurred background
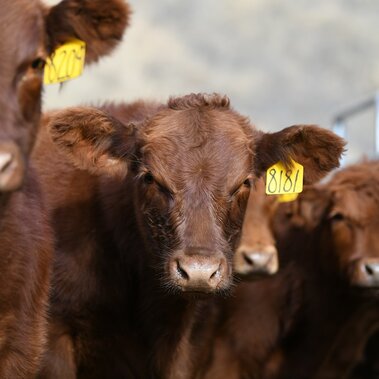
280, 62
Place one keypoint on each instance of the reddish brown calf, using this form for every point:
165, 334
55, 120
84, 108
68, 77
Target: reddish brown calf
345, 213
155, 196
29, 31
256, 253
314, 319
341, 219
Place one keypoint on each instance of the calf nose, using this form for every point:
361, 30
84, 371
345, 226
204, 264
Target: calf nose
369, 269
260, 261
11, 167
198, 273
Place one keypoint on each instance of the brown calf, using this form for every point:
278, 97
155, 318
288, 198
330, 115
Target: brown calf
315, 317
29, 31
147, 203
341, 220
256, 253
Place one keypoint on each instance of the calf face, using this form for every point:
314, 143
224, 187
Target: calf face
22, 50
344, 213
256, 253
30, 31
193, 163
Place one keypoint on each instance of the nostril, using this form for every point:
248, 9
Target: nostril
12, 166
182, 273
215, 273
369, 270
5, 161
247, 259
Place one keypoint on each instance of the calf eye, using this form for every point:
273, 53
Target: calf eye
38, 64
148, 178
288, 213
247, 183
336, 216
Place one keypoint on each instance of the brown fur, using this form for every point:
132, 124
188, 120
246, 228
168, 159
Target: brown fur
346, 357
100, 24
345, 209
26, 248
333, 228
297, 142
190, 163
314, 318
257, 237
25, 234
31, 31
256, 321
261, 313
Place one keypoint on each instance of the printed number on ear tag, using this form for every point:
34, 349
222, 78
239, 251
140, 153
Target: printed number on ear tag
281, 181
65, 63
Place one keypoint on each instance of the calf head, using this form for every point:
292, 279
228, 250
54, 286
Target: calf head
256, 253
343, 214
30, 31
193, 164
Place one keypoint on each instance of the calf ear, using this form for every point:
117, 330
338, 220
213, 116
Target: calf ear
100, 24
318, 150
93, 140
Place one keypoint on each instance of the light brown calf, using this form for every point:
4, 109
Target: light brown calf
256, 254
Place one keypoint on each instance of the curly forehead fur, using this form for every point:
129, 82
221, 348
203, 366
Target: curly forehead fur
354, 191
196, 120
201, 135
362, 177
358, 174
199, 100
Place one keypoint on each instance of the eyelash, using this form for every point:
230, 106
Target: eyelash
149, 179
38, 64
246, 183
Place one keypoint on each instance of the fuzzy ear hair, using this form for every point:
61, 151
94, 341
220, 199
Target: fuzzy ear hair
317, 149
93, 140
100, 24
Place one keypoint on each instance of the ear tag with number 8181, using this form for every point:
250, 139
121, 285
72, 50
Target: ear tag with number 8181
65, 63
280, 181
287, 197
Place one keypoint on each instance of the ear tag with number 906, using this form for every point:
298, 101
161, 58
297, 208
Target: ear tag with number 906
65, 63
280, 181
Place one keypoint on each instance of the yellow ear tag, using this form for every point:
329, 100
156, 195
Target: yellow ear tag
280, 181
287, 197
65, 63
